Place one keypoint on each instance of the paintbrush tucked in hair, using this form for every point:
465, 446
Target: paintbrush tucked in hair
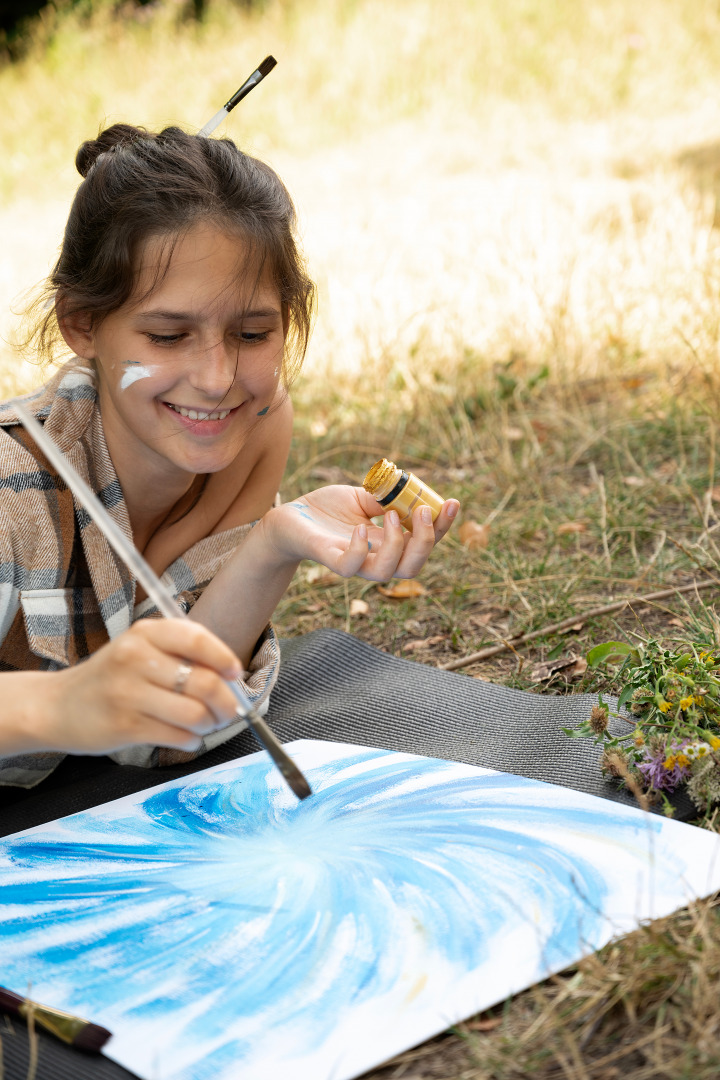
71, 1029
257, 76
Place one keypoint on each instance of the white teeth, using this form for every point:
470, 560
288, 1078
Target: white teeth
193, 414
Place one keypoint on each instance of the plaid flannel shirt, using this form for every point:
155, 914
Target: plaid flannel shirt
63, 590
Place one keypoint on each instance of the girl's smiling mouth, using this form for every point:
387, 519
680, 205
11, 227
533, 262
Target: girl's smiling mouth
201, 420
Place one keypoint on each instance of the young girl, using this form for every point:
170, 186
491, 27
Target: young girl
181, 293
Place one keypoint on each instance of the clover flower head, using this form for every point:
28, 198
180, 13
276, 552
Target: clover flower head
598, 719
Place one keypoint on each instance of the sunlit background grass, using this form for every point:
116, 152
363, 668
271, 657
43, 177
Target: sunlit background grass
496, 176
511, 210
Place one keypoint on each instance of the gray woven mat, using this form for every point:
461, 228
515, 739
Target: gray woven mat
334, 687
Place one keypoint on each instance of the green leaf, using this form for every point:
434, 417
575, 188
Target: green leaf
611, 652
625, 696
554, 653
581, 732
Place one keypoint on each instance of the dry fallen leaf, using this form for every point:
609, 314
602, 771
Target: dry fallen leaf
483, 1025
484, 618
569, 527
474, 535
633, 481
541, 430
572, 629
570, 667
513, 434
321, 576
714, 493
403, 590
359, 607
677, 622
424, 643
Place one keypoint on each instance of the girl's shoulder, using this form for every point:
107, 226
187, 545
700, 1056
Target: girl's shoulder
65, 404
72, 384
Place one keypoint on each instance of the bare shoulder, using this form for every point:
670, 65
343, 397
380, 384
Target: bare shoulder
255, 477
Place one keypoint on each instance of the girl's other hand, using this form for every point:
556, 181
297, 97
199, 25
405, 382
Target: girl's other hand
334, 526
127, 693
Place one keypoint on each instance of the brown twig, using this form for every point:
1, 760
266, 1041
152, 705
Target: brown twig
606, 609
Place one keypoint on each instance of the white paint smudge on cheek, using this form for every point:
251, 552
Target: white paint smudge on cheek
133, 373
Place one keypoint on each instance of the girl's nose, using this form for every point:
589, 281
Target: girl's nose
214, 369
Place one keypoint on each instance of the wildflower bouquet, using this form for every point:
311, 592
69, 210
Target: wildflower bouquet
673, 696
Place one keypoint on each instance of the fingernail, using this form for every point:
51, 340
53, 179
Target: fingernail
452, 509
426, 514
392, 517
362, 532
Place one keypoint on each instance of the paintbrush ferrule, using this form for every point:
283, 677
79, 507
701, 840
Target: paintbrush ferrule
58, 1023
73, 1030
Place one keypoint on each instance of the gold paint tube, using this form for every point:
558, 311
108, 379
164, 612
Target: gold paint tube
401, 491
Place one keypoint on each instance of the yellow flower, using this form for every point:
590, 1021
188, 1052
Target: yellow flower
686, 702
669, 763
699, 700
665, 706
639, 738
714, 742
683, 760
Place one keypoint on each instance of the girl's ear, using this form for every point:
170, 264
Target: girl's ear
77, 330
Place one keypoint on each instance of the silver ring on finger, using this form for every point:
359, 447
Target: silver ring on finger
182, 675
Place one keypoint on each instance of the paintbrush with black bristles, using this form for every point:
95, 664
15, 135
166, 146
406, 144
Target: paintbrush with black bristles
73, 1030
257, 76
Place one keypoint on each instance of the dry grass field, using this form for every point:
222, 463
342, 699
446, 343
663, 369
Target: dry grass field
511, 210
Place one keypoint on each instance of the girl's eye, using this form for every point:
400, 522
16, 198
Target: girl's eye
164, 339
250, 338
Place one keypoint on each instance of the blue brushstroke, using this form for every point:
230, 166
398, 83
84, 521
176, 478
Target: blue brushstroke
225, 882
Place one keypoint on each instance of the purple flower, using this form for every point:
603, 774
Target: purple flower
655, 767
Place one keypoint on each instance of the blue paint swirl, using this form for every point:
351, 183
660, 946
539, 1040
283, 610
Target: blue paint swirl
225, 891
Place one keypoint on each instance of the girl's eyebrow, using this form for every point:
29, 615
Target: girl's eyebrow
186, 316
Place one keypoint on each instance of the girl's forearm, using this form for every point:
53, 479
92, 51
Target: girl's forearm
240, 600
27, 700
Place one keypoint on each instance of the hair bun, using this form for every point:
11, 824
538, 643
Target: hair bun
117, 135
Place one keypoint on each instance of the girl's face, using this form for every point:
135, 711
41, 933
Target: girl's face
187, 369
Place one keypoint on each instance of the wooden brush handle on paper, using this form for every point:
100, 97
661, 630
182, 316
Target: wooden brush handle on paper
73, 1030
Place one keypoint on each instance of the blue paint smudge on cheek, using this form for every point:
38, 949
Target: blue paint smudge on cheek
263, 411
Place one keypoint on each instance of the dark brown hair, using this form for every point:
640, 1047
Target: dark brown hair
138, 185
